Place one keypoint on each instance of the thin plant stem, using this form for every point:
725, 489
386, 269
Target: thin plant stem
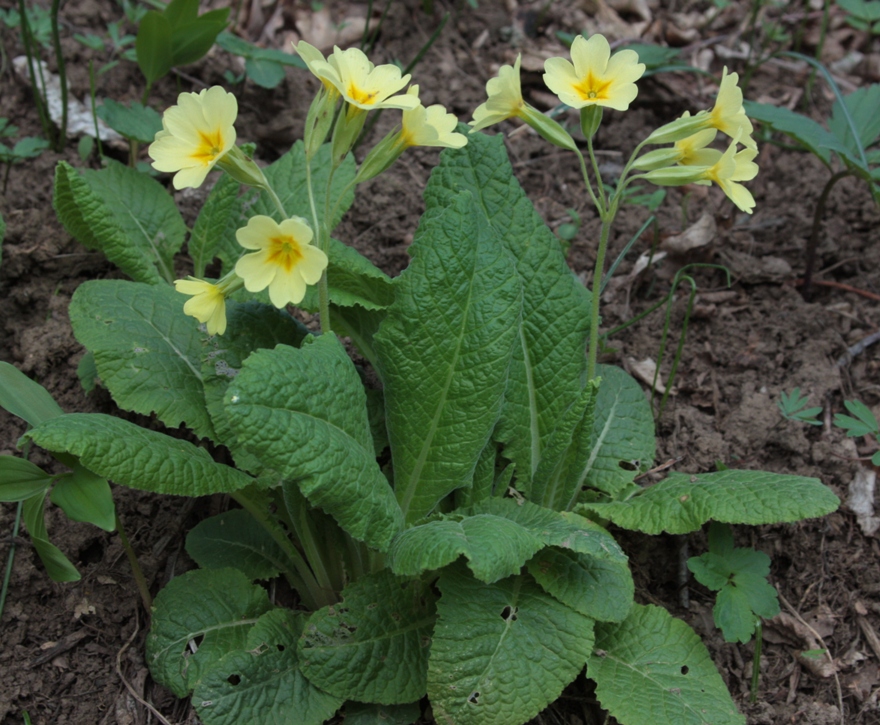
136, 570
276, 201
596, 295
28, 41
679, 348
756, 663
587, 182
323, 288
304, 530
598, 174
95, 110
813, 241
10, 559
300, 577
62, 76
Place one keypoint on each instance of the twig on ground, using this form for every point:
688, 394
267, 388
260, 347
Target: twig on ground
858, 349
128, 685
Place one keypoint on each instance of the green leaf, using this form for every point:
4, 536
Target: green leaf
501, 652
83, 496
237, 46
599, 587
263, 683
250, 326
288, 177
87, 372
652, 668
374, 645
684, 502
862, 105
739, 575
304, 413
191, 41
804, 130
235, 539
358, 713
622, 431
21, 479
217, 221
792, 407
136, 457
352, 280
126, 214
361, 325
265, 72
58, 566
25, 398
444, 353
147, 351
178, 12
197, 618
136, 121
864, 423
153, 46
548, 358
497, 536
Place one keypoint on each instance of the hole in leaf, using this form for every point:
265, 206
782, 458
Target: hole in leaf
233, 679
279, 647
196, 642
628, 465
474, 698
684, 669
509, 614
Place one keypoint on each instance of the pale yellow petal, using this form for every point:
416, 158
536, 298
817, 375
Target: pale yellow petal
590, 54
312, 265
256, 271
287, 288
257, 232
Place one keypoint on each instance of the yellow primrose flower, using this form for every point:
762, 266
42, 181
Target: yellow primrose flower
195, 135
208, 303
505, 98
596, 78
431, 126
318, 65
284, 261
690, 151
362, 84
727, 116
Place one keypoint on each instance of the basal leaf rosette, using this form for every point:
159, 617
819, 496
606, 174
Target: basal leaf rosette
195, 135
284, 259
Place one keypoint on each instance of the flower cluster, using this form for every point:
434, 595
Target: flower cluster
198, 134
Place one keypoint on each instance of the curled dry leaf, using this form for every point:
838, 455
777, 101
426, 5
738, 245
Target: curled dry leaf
645, 370
861, 500
318, 29
700, 234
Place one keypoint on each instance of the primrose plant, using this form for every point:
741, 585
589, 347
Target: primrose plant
441, 523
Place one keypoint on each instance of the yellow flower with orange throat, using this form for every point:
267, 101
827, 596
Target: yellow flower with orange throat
284, 258
196, 134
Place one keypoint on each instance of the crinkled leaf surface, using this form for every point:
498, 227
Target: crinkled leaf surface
548, 359
358, 713
652, 668
622, 431
217, 221
373, 646
235, 539
444, 353
128, 215
198, 618
503, 651
601, 588
250, 326
497, 536
148, 353
304, 412
684, 502
136, 457
262, 682
287, 176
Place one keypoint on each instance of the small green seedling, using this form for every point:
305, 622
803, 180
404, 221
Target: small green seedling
569, 230
862, 14
176, 36
39, 20
864, 423
793, 407
263, 66
739, 575
27, 148
136, 122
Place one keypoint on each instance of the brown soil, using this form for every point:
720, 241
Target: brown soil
73, 653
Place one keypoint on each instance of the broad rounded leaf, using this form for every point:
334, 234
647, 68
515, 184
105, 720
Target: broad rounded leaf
652, 668
373, 646
501, 652
263, 683
197, 619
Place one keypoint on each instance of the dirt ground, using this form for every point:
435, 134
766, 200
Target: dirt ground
73, 653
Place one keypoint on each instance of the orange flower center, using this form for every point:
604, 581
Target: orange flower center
285, 252
592, 88
210, 147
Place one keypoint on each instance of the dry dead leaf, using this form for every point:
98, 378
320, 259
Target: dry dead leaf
645, 370
861, 500
699, 234
318, 29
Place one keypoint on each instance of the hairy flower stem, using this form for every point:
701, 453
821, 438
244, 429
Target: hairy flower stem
138, 573
596, 295
324, 246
